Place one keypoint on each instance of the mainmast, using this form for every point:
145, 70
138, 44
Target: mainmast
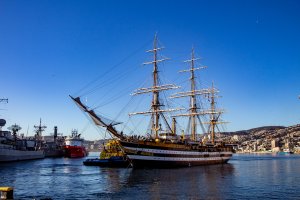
193, 113
155, 101
156, 105
193, 96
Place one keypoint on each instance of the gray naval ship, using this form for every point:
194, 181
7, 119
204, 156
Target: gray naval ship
15, 147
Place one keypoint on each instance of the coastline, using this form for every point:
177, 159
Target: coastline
265, 152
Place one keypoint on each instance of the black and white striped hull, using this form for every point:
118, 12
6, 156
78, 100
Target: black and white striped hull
154, 157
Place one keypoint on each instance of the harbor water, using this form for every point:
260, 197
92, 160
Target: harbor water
246, 176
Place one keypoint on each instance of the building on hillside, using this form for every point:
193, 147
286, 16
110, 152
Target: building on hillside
274, 143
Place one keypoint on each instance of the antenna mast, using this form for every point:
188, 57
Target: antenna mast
39, 129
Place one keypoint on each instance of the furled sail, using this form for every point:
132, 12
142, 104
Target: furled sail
97, 119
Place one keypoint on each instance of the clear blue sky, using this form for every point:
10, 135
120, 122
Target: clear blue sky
50, 49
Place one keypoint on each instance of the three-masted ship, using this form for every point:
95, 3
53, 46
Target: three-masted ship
164, 148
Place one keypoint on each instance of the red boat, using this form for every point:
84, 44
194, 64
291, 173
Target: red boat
74, 146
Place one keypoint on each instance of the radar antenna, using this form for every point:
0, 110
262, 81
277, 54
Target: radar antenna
4, 100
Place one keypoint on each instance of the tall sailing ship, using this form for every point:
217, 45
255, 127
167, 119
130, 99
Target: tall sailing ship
164, 147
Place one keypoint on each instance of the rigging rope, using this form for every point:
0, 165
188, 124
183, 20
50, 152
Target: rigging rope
116, 97
110, 69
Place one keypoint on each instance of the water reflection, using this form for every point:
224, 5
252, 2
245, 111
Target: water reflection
245, 177
195, 182
113, 179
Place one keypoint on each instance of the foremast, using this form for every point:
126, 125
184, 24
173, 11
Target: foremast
156, 105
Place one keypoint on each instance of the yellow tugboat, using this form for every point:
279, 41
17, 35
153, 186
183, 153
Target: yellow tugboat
110, 156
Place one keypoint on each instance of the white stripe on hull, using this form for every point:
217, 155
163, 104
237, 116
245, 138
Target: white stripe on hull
175, 159
194, 153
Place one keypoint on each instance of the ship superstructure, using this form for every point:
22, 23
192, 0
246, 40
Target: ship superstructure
74, 147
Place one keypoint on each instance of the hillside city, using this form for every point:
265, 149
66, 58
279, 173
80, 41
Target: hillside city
265, 139
258, 140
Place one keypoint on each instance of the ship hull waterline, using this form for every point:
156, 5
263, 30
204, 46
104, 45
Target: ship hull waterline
75, 152
149, 163
11, 155
148, 156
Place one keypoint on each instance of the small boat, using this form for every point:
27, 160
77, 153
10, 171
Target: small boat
110, 156
286, 152
74, 146
114, 161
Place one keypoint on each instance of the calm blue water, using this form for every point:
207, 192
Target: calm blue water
244, 177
